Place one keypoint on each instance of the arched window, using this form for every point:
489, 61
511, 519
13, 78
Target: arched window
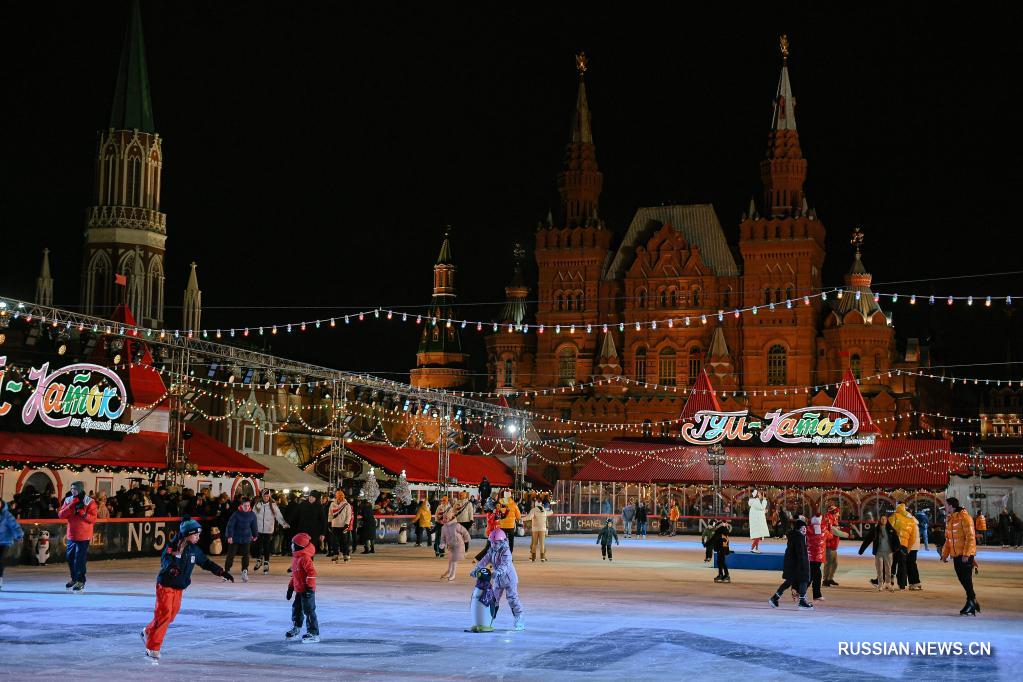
877, 362
641, 364
558, 301
578, 300
777, 365
855, 365
666, 367
777, 295
789, 293
662, 298
695, 364
641, 298
571, 301
726, 297
508, 372
566, 367
767, 296
696, 297
673, 298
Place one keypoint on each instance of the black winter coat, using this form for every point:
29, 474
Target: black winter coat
485, 488
641, 513
720, 541
367, 524
875, 534
797, 561
309, 517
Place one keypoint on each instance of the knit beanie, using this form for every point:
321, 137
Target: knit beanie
189, 526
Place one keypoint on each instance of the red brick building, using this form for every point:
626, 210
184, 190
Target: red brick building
677, 262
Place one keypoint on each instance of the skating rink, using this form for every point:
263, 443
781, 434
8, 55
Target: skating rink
653, 613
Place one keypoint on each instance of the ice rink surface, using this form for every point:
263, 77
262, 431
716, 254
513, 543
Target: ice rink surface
654, 613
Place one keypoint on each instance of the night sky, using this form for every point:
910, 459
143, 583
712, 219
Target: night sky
315, 151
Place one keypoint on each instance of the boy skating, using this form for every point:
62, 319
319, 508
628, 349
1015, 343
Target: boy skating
797, 566
607, 535
303, 586
179, 558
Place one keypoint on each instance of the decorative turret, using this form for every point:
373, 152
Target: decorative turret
783, 171
511, 348
857, 294
721, 370
125, 223
44, 283
607, 359
440, 362
192, 307
515, 308
580, 182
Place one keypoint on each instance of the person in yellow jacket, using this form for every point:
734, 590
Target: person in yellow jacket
673, 516
512, 516
908, 529
961, 547
981, 525
422, 521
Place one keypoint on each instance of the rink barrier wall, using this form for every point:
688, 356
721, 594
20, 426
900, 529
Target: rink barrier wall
122, 538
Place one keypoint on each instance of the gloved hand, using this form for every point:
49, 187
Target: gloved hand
227, 577
291, 591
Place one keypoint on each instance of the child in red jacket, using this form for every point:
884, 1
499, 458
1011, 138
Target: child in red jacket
303, 587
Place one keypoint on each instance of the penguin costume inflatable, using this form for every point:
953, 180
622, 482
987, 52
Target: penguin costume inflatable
43, 547
483, 603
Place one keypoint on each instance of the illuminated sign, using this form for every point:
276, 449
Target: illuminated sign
815, 425
82, 396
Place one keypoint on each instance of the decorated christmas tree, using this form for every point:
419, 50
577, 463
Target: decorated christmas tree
402, 492
371, 489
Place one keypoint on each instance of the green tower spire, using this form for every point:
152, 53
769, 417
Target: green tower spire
132, 107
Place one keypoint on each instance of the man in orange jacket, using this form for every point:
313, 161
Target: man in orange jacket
961, 546
79, 510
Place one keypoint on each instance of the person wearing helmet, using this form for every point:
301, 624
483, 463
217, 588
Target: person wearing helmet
505, 580
181, 555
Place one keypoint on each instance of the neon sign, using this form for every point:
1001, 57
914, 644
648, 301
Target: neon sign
817, 425
70, 396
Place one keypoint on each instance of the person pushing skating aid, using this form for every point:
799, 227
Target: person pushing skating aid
176, 563
505, 579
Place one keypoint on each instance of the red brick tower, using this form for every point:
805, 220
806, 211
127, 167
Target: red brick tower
440, 362
511, 350
570, 259
782, 252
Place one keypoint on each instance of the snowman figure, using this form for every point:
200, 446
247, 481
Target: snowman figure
43, 547
216, 545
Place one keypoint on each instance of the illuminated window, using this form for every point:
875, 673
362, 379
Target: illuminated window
695, 364
777, 365
566, 367
641, 364
508, 367
666, 367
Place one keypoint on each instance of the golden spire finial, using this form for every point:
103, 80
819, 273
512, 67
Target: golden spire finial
581, 63
857, 238
783, 45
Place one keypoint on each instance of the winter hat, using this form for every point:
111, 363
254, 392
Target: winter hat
301, 541
953, 502
315, 493
799, 523
497, 535
608, 522
189, 526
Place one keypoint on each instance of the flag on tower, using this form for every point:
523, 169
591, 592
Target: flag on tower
120, 280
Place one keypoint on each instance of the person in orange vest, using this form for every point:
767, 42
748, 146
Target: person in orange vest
673, 517
80, 512
961, 547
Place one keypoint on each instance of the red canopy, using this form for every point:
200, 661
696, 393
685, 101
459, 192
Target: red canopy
421, 465
702, 397
888, 463
145, 450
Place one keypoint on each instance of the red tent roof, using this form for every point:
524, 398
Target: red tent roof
137, 451
703, 397
421, 465
849, 398
888, 463
145, 385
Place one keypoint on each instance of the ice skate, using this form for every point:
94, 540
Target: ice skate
245, 575
969, 610
347, 559
310, 639
266, 568
293, 633
153, 654
143, 634
69, 584
773, 601
833, 583
878, 588
480, 628
917, 587
755, 551
78, 587
718, 579
803, 604
520, 622
259, 565
727, 579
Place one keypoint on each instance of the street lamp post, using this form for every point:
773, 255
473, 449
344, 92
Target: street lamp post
716, 459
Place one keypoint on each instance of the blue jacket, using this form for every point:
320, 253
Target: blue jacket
176, 572
241, 527
922, 520
10, 529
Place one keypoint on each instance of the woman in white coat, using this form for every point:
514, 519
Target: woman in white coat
757, 520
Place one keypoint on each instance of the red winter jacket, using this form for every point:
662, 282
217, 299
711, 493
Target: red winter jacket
79, 521
830, 522
816, 539
303, 573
